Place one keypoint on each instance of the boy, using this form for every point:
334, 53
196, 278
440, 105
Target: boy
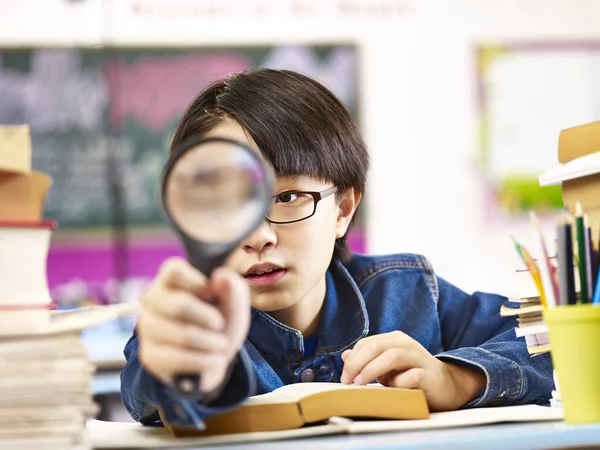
293, 305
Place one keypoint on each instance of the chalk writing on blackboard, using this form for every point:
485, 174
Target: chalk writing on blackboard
101, 120
55, 95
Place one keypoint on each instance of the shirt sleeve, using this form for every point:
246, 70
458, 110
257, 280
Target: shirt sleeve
475, 335
143, 394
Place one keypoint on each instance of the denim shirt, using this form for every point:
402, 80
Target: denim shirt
367, 296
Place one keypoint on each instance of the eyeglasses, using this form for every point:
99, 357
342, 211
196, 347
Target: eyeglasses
294, 206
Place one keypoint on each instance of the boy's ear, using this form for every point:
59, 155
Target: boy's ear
347, 204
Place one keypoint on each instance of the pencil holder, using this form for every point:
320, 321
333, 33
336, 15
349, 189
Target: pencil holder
574, 338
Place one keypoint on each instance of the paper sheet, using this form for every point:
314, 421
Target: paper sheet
462, 418
577, 168
108, 435
76, 320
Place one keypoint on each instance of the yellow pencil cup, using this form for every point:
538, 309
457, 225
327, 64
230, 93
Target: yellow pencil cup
575, 341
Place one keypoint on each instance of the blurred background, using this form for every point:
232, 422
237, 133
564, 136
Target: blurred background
460, 102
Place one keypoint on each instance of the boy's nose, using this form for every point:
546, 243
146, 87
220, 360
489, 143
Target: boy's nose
263, 238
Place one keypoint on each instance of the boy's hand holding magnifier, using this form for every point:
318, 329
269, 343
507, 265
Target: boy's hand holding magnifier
195, 319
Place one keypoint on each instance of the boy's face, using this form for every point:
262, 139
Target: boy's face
285, 264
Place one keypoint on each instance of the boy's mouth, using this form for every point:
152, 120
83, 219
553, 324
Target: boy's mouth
264, 274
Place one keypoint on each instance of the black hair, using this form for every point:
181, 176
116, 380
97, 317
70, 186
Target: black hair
300, 127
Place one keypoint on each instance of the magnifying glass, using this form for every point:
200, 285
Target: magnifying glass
215, 192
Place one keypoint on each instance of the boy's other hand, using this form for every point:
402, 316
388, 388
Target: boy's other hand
395, 359
191, 324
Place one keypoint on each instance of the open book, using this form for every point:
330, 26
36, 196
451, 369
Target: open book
296, 405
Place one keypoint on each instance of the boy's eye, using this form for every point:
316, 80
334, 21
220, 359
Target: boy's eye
286, 197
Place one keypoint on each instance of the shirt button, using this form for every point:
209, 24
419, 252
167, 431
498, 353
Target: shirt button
307, 376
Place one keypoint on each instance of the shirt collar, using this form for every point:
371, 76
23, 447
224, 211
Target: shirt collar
342, 323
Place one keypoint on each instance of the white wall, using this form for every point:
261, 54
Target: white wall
417, 95
470, 252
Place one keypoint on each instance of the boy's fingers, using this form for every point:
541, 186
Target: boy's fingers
157, 358
410, 379
345, 354
357, 359
182, 306
177, 273
233, 297
166, 332
393, 359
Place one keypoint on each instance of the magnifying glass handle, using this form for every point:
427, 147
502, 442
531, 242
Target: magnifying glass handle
188, 385
205, 260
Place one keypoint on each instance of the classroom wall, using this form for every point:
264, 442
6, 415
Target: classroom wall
418, 95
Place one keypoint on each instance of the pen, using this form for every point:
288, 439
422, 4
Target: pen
596, 297
566, 275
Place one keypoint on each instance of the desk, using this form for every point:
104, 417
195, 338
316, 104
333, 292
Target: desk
538, 435
522, 435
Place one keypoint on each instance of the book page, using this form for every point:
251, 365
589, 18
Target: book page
298, 391
269, 398
577, 168
67, 345
292, 393
107, 435
461, 418
506, 311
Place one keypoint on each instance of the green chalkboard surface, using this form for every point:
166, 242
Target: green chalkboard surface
101, 119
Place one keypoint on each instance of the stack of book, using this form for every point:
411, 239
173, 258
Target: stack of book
24, 236
45, 385
45, 375
531, 325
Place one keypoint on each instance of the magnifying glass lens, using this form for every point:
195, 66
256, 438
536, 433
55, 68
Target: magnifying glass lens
215, 191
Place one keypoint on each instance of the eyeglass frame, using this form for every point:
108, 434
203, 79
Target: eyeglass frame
317, 197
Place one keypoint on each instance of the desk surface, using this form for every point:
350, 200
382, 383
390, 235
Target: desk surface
522, 435
538, 435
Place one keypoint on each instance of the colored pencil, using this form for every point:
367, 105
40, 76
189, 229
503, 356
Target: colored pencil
582, 253
533, 270
595, 250
589, 255
544, 265
566, 285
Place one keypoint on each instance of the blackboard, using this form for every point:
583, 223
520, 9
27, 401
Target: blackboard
101, 119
